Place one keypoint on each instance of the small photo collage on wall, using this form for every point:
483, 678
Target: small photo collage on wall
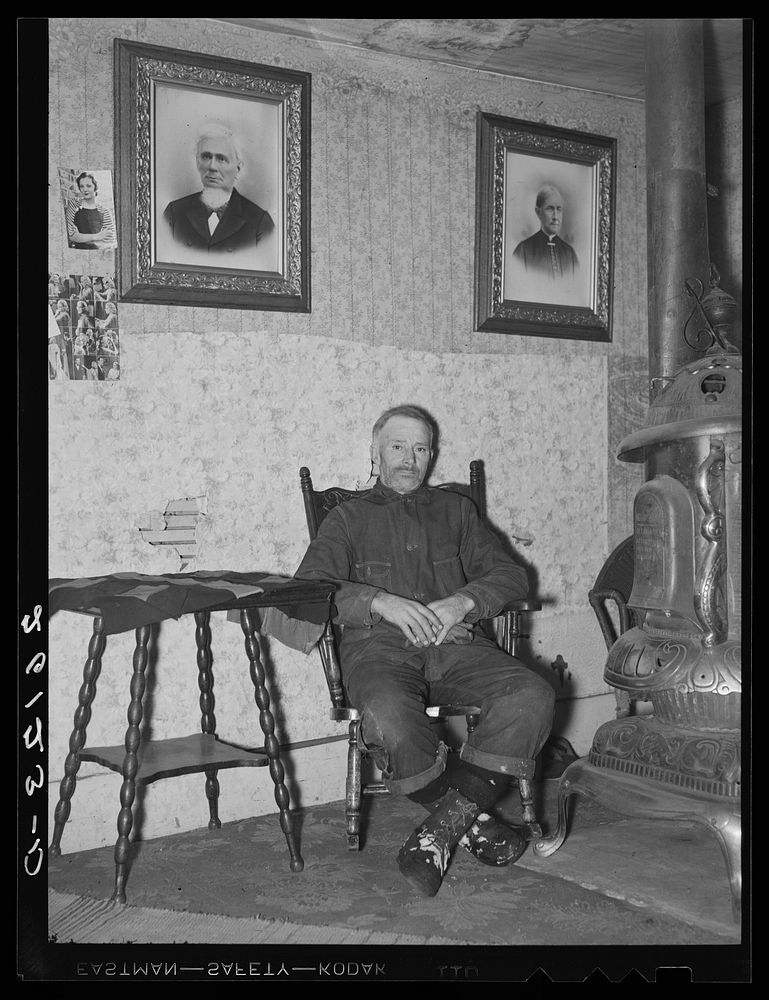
83, 329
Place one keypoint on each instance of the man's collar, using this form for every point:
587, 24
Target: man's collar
382, 494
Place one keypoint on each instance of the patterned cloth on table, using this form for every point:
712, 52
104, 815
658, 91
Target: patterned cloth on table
128, 600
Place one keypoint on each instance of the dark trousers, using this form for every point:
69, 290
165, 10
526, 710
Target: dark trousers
391, 682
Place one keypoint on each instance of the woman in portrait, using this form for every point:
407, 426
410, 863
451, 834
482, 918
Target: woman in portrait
61, 315
110, 320
107, 344
85, 294
63, 321
55, 362
84, 328
79, 345
83, 314
90, 226
106, 292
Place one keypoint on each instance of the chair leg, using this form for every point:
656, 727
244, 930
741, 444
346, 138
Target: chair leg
529, 816
353, 790
212, 794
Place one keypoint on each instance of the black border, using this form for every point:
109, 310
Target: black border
38, 960
32, 480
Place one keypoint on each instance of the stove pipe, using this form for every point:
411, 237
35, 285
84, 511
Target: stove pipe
676, 188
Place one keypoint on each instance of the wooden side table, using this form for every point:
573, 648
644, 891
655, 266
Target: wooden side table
201, 752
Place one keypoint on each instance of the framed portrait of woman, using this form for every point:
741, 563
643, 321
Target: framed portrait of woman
544, 230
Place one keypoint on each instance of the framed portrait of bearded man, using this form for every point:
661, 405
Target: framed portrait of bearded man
212, 160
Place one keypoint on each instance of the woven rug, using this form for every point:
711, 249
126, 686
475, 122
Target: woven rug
81, 920
234, 885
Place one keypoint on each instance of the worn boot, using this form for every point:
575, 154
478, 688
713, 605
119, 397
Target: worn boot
489, 839
425, 856
492, 841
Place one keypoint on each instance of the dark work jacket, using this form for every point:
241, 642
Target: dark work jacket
423, 545
241, 226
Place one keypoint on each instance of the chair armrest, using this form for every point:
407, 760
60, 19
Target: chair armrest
598, 599
524, 605
514, 607
511, 626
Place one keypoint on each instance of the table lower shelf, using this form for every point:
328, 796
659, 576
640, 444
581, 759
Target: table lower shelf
181, 755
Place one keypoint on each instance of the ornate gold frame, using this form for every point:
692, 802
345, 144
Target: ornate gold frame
141, 279
496, 136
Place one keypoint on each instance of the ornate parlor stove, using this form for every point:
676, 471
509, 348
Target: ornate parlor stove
682, 760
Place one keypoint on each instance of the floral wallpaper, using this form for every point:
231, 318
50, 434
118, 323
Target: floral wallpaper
226, 405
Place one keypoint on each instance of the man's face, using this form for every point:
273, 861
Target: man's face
217, 164
550, 213
403, 452
86, 187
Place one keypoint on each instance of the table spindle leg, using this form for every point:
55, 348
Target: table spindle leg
207, 703
91, 672
267, 722
130, 761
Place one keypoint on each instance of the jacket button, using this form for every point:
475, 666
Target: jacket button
411, 546
418, 596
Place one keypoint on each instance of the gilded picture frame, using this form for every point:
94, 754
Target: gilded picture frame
176, 111
544, 230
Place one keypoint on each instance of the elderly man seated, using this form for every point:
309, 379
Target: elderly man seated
417, 569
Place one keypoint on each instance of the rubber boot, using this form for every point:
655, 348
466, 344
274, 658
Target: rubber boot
489, 839
425, 856
492, 841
